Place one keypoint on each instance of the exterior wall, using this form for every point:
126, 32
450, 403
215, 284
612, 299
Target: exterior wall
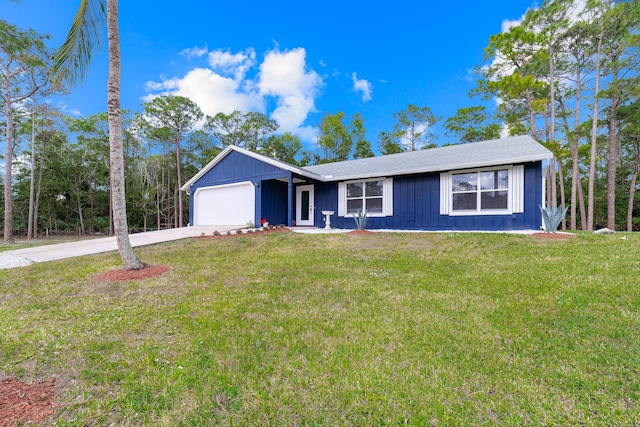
237, 167
416, 206
416, 203
274, 202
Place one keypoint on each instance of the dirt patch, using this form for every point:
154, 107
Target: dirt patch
22, 403
124, 275
553, 235
361, 233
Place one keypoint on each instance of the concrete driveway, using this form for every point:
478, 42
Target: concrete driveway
103, 244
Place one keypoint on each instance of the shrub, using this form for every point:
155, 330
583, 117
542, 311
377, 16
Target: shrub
551, 217
361, 219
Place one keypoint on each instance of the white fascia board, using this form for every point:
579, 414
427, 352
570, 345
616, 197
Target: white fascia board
256, 156
206, 169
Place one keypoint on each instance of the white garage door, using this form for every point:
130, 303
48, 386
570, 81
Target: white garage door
232, 204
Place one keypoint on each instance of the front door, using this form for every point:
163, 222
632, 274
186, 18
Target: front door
304, 205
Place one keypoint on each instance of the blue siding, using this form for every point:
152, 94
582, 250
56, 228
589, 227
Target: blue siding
416, 206
237, 167
274, 202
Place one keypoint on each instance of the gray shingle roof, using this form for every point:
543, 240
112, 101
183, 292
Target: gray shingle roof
517, 149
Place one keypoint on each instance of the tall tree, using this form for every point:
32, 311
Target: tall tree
179, 114
414, 127
622, 20
362, 145
512, 78
549, 22
22, 53
70, 63
575, 42
286, 148
472, 124
334, 139
596, 8
246, 130
389, 143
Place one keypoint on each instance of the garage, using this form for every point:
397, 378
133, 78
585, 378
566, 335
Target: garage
231, 204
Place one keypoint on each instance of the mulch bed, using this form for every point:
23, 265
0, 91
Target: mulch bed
224, 235
360, 233
553, 235
24, 404
124, 275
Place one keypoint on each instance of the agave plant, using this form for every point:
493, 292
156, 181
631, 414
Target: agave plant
551, 217
361, 219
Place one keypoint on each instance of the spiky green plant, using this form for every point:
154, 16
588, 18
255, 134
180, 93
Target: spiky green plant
361, 219
551, 217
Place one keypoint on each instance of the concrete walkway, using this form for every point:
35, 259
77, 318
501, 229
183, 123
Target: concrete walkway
106, 244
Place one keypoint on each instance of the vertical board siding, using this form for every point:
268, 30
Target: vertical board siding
274, 202
416, 201
237, 167
416, 206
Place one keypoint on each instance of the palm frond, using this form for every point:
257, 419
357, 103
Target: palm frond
71, 61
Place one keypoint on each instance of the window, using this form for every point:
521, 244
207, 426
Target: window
482, 192
373, 195
364, 196
474, 191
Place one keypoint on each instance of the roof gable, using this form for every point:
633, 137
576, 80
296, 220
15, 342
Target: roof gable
231, 149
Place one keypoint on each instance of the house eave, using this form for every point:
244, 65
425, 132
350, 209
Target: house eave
450, 167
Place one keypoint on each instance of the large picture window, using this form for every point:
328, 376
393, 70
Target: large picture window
492, 191
364, 196
474, 191
375, 196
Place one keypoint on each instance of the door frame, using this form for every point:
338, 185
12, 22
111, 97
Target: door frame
299, 190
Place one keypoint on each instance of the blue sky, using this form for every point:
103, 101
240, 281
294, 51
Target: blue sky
294, 61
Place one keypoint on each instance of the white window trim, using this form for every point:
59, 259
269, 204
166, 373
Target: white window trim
515, 192
387, 197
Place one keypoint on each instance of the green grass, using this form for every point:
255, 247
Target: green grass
288, 329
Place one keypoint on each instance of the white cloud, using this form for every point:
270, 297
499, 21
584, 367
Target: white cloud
507, 24
231, 82
212, 92
194, 52
504, 130
363, 86
236, 64
284, 75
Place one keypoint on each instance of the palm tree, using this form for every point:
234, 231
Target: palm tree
70, 64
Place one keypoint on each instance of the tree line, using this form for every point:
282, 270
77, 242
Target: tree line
568, 78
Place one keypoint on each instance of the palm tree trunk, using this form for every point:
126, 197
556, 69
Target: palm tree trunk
129, 259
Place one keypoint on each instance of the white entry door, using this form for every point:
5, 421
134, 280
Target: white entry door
305, 206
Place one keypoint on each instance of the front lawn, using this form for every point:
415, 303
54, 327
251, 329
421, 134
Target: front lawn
288, 329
